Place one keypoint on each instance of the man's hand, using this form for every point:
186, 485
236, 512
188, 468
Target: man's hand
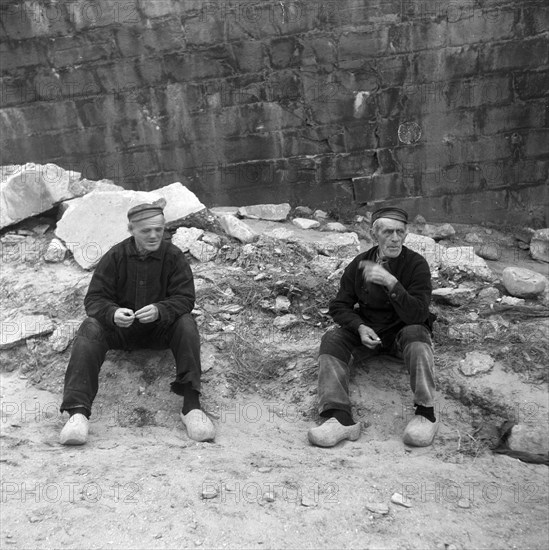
147, 314
368, 337
374, 273
123, 317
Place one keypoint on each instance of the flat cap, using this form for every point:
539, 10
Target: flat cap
392, 213
146, 210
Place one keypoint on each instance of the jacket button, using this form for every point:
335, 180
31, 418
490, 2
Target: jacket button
141, 283
393, 295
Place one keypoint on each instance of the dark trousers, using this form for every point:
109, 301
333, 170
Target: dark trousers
93, 341
413, 344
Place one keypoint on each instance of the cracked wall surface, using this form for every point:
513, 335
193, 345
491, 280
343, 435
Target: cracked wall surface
441, 107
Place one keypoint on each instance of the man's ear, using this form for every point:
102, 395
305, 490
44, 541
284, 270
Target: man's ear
373, 234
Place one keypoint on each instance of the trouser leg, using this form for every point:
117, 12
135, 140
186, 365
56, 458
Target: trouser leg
333, 374
183, 339
82, 374
414, 345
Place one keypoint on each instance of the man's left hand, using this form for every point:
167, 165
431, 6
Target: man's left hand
374, 273
147, 314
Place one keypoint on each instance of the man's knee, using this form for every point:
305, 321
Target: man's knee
412, 334
186, 325
91, 329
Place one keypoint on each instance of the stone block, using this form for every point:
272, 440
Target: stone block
531, 84
514, 55
237, 229
273, 212
94, 223
305, 223
185, 236
482, 26
523, 283
16, 330
529, 438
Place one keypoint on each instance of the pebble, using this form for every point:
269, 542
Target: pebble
209, 492
397, 498
269, 497
264, 470
380, 508
308, 502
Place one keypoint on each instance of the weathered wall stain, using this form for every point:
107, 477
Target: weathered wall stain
264, 101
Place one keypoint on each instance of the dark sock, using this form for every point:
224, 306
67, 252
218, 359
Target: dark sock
79, 410
426, 412
343, 417
191, 398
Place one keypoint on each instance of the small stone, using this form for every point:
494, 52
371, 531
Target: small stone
476, 362
41, 229
286, 321
209, 492
261, 276
523, 283
454, 296
56, 251
308, 502
464, 503
320, 215
419, 219
397, 498
238, 229
202, 251
336, 227
512, 301
379, 508
489, 251
269, 496
264, 469
282, 304
185, 236
305, 223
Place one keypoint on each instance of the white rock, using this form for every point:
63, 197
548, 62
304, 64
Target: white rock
94, 223
282, 304
16, 330
463, 258
454, 296
476, 362
528, 438
320, 215
184, 236
272, 212
335, 226
426, 246
64, 334
489, 251
539, 245
30, 189
523, 283
202, 251
512, 301
237, 229
305, 223
435, 231
397, 498
55, 252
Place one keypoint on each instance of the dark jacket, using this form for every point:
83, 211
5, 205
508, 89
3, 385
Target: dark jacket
385, 312
124, 279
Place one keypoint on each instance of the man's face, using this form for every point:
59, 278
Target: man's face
148, 233
390, 235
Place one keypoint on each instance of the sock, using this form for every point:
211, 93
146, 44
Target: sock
343, 417
426, 412
79, 410
191, 398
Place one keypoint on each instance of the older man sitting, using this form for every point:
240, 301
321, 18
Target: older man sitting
141, 296
382, 305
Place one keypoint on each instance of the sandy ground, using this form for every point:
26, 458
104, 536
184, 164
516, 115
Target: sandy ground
142, 487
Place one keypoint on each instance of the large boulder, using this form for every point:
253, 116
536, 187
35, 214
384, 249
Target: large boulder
539, 245
16, 330
30, 189
523, 283
92, 224
528, 438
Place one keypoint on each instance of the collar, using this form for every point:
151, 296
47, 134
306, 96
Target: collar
132, 251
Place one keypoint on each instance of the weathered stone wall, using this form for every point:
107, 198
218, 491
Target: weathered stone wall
439, 105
